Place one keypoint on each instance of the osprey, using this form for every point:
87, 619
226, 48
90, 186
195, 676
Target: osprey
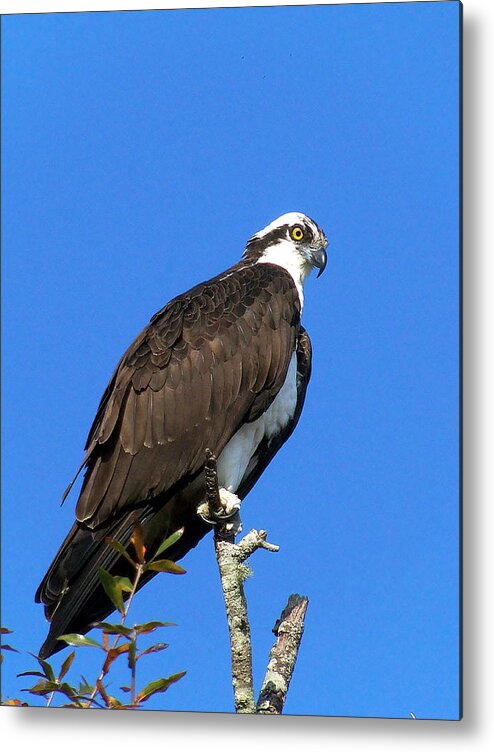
225, 367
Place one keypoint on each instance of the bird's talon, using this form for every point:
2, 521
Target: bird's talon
230, 503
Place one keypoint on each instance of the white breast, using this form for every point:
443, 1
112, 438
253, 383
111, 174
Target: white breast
234, 459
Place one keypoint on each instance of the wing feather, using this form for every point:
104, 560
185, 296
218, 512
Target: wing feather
128, 422
204, 364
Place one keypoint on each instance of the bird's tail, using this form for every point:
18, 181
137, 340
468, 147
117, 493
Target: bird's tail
71, 590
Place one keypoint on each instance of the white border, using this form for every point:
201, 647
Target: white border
45, 6
70, 730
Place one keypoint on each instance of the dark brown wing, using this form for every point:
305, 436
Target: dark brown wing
210, 360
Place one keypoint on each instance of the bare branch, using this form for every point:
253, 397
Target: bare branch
251, 542
232, 573
288, 630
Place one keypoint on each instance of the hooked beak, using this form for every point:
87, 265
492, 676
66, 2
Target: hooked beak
319, 257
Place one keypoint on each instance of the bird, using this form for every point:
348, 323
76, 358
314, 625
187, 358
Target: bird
223, 367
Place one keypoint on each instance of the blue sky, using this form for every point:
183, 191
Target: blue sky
140, 151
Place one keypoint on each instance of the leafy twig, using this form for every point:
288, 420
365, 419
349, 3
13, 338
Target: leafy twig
125, 637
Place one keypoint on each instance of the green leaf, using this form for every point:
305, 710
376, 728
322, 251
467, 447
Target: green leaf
124, 584
153, 649
165, 565
121, 549
78, 639
66, 665
31, 673
4, 630
132, 654
115, 703
85, 687
169, 542
42, 688
67, 690
114, 628
160, 685
111, 588
47, 669
151, 626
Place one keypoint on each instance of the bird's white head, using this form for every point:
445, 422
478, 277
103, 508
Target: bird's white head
293, 241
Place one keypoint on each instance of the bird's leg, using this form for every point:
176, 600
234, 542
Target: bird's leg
226, 516
221, 507
231, 515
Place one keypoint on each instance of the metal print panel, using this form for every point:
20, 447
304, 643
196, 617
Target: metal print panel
175, 183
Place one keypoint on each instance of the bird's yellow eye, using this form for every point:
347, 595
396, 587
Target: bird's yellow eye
297, 232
